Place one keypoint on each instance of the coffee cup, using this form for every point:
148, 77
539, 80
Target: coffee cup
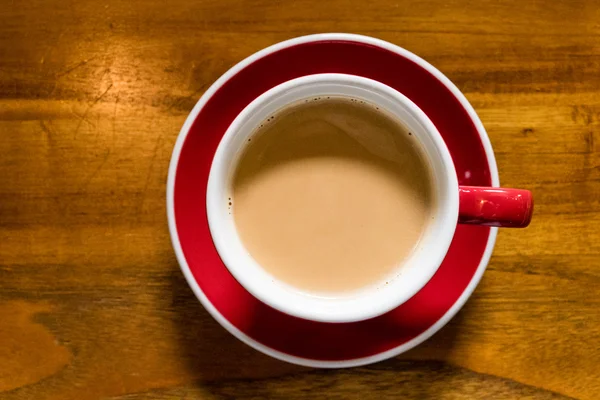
454, 204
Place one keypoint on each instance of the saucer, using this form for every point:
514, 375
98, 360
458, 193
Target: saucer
282, 336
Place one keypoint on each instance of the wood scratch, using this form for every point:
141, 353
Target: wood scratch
51, 132
589, 139
51, 93
114, 120
75, 66
51, 49
148, 176
93, 174
47, 130
84, 116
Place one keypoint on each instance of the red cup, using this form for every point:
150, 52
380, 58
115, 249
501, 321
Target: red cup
463, 204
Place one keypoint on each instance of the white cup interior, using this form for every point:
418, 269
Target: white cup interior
373, 300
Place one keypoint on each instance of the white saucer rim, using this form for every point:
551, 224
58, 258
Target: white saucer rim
355, 362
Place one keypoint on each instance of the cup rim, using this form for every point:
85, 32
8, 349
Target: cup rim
422, 264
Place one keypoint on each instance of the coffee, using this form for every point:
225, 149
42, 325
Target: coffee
331, 195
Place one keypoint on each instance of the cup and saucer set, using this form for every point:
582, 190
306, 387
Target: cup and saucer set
438, 278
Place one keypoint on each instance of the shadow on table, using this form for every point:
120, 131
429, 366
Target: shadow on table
212, 353
227, 367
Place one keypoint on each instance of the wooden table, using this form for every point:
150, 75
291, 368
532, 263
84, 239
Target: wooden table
92, 97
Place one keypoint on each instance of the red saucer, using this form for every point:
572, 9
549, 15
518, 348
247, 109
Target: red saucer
292, 339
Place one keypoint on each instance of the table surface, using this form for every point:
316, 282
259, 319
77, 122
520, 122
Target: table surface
92, 97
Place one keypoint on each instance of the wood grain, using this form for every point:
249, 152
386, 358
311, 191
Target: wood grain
92, 96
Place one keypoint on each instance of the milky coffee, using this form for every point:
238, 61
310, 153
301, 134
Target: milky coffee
331, 195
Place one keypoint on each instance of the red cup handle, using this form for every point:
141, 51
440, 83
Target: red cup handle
491, 206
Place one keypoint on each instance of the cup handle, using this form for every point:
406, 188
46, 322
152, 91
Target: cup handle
491, 206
